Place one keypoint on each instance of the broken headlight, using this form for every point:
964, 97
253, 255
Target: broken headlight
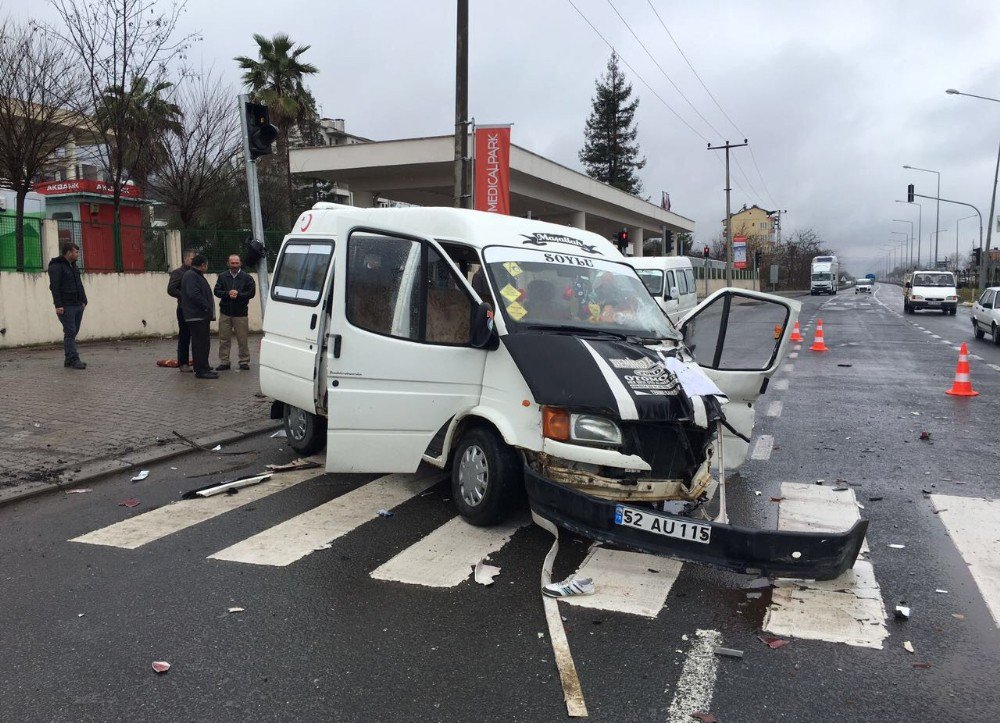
592, 429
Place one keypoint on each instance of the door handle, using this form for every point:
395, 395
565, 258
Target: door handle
312, 323
336, 346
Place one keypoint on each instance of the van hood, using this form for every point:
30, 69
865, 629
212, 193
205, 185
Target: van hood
608, 376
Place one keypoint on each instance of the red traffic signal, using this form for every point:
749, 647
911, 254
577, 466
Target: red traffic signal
705, 252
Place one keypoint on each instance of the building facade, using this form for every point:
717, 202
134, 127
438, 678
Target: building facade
757, 224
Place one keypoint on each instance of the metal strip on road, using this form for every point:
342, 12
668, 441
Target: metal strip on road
973, 524
313, 530
696, 686
762, 450
625, 581
846, 610
150, 526
446, 557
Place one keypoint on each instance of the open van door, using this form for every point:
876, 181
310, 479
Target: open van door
734, 343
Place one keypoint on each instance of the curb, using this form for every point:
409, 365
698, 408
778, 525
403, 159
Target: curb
93, 471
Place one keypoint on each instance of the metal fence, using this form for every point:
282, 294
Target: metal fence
715, 269
33, 260
218, 244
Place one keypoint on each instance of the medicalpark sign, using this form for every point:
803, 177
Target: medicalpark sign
492, 169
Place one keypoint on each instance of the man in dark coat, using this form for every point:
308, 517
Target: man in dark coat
235, 288
174, 290
69, 298
198, 307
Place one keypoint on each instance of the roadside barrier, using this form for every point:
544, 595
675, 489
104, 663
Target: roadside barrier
962, 386
796, 334
818, 344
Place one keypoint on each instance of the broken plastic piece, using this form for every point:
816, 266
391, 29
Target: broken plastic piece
217, 448
130, 502
729, 652
229, 487
161, 666
902, 612
925, 436
772, 642
293, 465
570, 588
484, 573
922, 666
78, 491
141, 476
908, 646
237, 610
958, 616
896, 546
942, 592
385, 513
704, 717
280, 433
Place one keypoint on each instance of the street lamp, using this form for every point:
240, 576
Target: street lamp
984, 261
904, 220
920, 224
937, 219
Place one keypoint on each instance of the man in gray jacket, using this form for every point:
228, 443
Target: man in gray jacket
198, 307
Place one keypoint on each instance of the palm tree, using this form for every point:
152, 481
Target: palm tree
275, 78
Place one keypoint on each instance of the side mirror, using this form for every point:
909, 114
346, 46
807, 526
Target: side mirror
908, 285
483, 333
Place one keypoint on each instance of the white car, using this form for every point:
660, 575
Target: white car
986, 314
864, 286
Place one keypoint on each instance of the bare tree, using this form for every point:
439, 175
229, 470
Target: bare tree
199, 165
124, 48
38, 86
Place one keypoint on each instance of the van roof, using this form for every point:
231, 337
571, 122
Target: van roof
475, 228
659, 262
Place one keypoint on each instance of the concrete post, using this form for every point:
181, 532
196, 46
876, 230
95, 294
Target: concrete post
50, 240
635, 234
174, 251
579, 220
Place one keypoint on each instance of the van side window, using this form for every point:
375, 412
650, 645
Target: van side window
301, 272
682, 283
671, 284
689, 275
383, 285
449, 307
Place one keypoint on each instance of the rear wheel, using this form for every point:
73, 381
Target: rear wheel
977, 331
305, 431
486, 477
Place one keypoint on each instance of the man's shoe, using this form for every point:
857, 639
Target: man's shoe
68, 362
206, 375
222, 368
185, 368
245, 367
77, 364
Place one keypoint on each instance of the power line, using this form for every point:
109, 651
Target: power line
761, 175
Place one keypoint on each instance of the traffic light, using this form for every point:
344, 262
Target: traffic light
260, 133
668, 243
977, 256
622, 239
705, 251
909, 193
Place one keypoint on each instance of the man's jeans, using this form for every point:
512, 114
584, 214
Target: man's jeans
71, 319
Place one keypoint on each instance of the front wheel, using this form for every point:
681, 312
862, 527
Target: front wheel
305, 431
996, 335
486, 477
953, 311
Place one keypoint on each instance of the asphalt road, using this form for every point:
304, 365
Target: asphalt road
321, 639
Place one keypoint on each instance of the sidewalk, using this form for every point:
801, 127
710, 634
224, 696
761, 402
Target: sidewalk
60, 424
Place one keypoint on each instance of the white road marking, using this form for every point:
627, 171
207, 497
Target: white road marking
788, 368
974, 526
797, 347
971, 356
624, 582
149, 526
295, 538
762, 450
793, 355
927, 332
995, 367
781, 384
846, 610
774, 409
935, 336
445, 557
696, 685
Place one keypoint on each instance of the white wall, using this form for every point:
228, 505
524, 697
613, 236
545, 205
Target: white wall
120, 305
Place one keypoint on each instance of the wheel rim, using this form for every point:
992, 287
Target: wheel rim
473, 475
297, 423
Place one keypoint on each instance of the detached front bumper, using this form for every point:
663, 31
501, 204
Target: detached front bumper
774, 553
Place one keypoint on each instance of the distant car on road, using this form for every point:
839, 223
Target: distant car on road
864, 286
986, 314
930, 290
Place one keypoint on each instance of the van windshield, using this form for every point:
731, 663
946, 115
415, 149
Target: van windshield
933, 280
549, 288
653, 280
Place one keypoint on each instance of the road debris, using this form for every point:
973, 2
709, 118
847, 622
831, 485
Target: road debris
772, 642
921, 666
217, 448
753, 595
941, 592
908, 646
777, 499
386, 513
902, 611
958, 616
229, 487
704, 717
161, 666
569, 588
141, 476
729, 652
926, 436
293, 465
129, 502
236, 610
896, 546
875, 499
845, 365
78, 491
280, 433
484, 573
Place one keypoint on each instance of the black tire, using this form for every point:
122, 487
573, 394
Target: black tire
945, 311
305, 431
979, 333
487, 477
996, 334
953, 311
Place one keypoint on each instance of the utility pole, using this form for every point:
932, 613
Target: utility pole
253, 194
462, 196
984, 260
729, 220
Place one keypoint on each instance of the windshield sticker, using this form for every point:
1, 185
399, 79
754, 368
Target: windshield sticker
512, 268
516, 311
510, 293
544, 239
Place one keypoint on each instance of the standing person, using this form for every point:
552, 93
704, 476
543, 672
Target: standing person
235, 288
198, 307
174, 290
69, 298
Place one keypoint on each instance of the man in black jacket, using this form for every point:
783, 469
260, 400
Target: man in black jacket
235, 287
174, 290
198, 308
69, 298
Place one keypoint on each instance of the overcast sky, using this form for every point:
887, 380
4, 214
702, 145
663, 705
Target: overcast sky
834, 97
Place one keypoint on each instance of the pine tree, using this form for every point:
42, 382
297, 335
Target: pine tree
610, 152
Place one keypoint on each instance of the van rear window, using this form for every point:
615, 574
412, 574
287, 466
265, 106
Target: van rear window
301, 272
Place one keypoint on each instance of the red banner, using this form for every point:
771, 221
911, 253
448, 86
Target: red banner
57, 188
492, 170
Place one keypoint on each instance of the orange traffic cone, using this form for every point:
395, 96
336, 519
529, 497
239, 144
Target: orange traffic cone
796, 334
962, 387
818, 344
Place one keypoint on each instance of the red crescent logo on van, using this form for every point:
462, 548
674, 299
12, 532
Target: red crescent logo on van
308, 220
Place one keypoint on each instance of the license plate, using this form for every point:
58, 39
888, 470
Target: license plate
933, 303
660, 525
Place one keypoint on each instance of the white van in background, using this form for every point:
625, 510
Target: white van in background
670, 280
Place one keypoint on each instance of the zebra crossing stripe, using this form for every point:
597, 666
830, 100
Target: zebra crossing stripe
445, 557
774, 409
625, 581
762, 450
313, 530
150, 526
846, 610
781, 385
972, 524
